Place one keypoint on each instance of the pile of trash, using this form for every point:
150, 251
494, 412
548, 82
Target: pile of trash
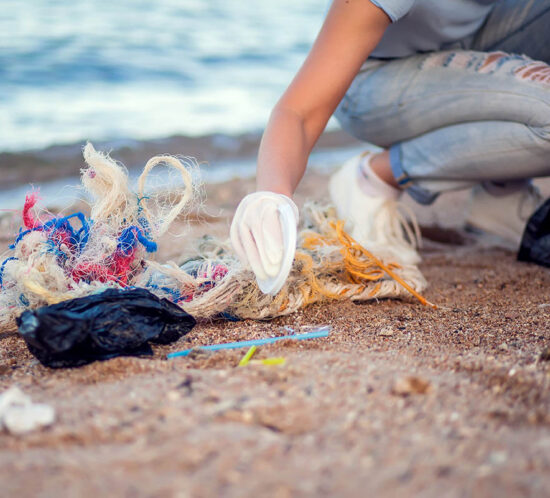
63, 270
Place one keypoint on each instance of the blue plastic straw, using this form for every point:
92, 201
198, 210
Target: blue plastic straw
315, 334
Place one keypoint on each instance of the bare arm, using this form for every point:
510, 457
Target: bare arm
350, 32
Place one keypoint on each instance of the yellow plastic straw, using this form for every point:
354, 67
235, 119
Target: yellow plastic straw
246, 358
269, 361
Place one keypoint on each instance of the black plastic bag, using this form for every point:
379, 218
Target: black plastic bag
535, 244
100, 326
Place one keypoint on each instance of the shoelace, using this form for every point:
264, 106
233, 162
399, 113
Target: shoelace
398, 223
400, 227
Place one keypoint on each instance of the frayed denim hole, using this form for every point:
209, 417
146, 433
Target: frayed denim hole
502, 62
534, 71
491, 62
479, 62
433, 61
455, 59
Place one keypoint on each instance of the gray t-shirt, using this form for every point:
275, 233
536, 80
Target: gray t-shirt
428, 25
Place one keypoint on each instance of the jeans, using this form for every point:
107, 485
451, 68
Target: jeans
475, 113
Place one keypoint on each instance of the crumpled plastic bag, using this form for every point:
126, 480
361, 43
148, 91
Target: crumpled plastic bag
535, 244
100, 326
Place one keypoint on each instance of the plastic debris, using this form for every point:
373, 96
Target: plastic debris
269, 361
535, 243
100, 326
314, 334
246, 358
19, 415
58, 258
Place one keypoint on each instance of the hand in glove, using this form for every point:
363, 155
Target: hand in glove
263, 235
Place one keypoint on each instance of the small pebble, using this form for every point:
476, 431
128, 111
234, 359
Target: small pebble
411, 385
173, 395
386, 332
498, 457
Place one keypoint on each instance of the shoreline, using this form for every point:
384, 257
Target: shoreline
56, 162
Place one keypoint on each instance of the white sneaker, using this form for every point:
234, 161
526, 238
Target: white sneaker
503, 215
371, 211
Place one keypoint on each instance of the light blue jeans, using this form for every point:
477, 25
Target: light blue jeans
478, 112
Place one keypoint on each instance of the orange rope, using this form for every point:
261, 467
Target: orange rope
314, 287
359, 263
373, 268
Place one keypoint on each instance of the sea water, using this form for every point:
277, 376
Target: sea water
72, 70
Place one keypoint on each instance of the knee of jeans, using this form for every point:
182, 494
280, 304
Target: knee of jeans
520, 67
528, 70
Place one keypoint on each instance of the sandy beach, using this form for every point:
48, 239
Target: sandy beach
400, 400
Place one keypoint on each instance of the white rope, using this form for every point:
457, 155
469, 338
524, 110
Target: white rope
186, 197
39, 276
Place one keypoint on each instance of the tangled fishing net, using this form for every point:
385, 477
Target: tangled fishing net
56, 258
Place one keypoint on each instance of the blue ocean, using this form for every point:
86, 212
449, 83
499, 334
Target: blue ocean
72, 70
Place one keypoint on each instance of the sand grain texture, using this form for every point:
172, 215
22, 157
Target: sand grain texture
475, 420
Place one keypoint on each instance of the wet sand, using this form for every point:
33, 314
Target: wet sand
60, 161
400, 400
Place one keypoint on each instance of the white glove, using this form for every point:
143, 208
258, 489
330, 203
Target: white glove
263, 235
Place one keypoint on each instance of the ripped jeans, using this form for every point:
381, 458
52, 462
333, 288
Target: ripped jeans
479, 111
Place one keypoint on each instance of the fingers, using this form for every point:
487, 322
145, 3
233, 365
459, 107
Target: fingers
261, 237
269, 238
257, 233
234, 233
245, 233
251, 253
